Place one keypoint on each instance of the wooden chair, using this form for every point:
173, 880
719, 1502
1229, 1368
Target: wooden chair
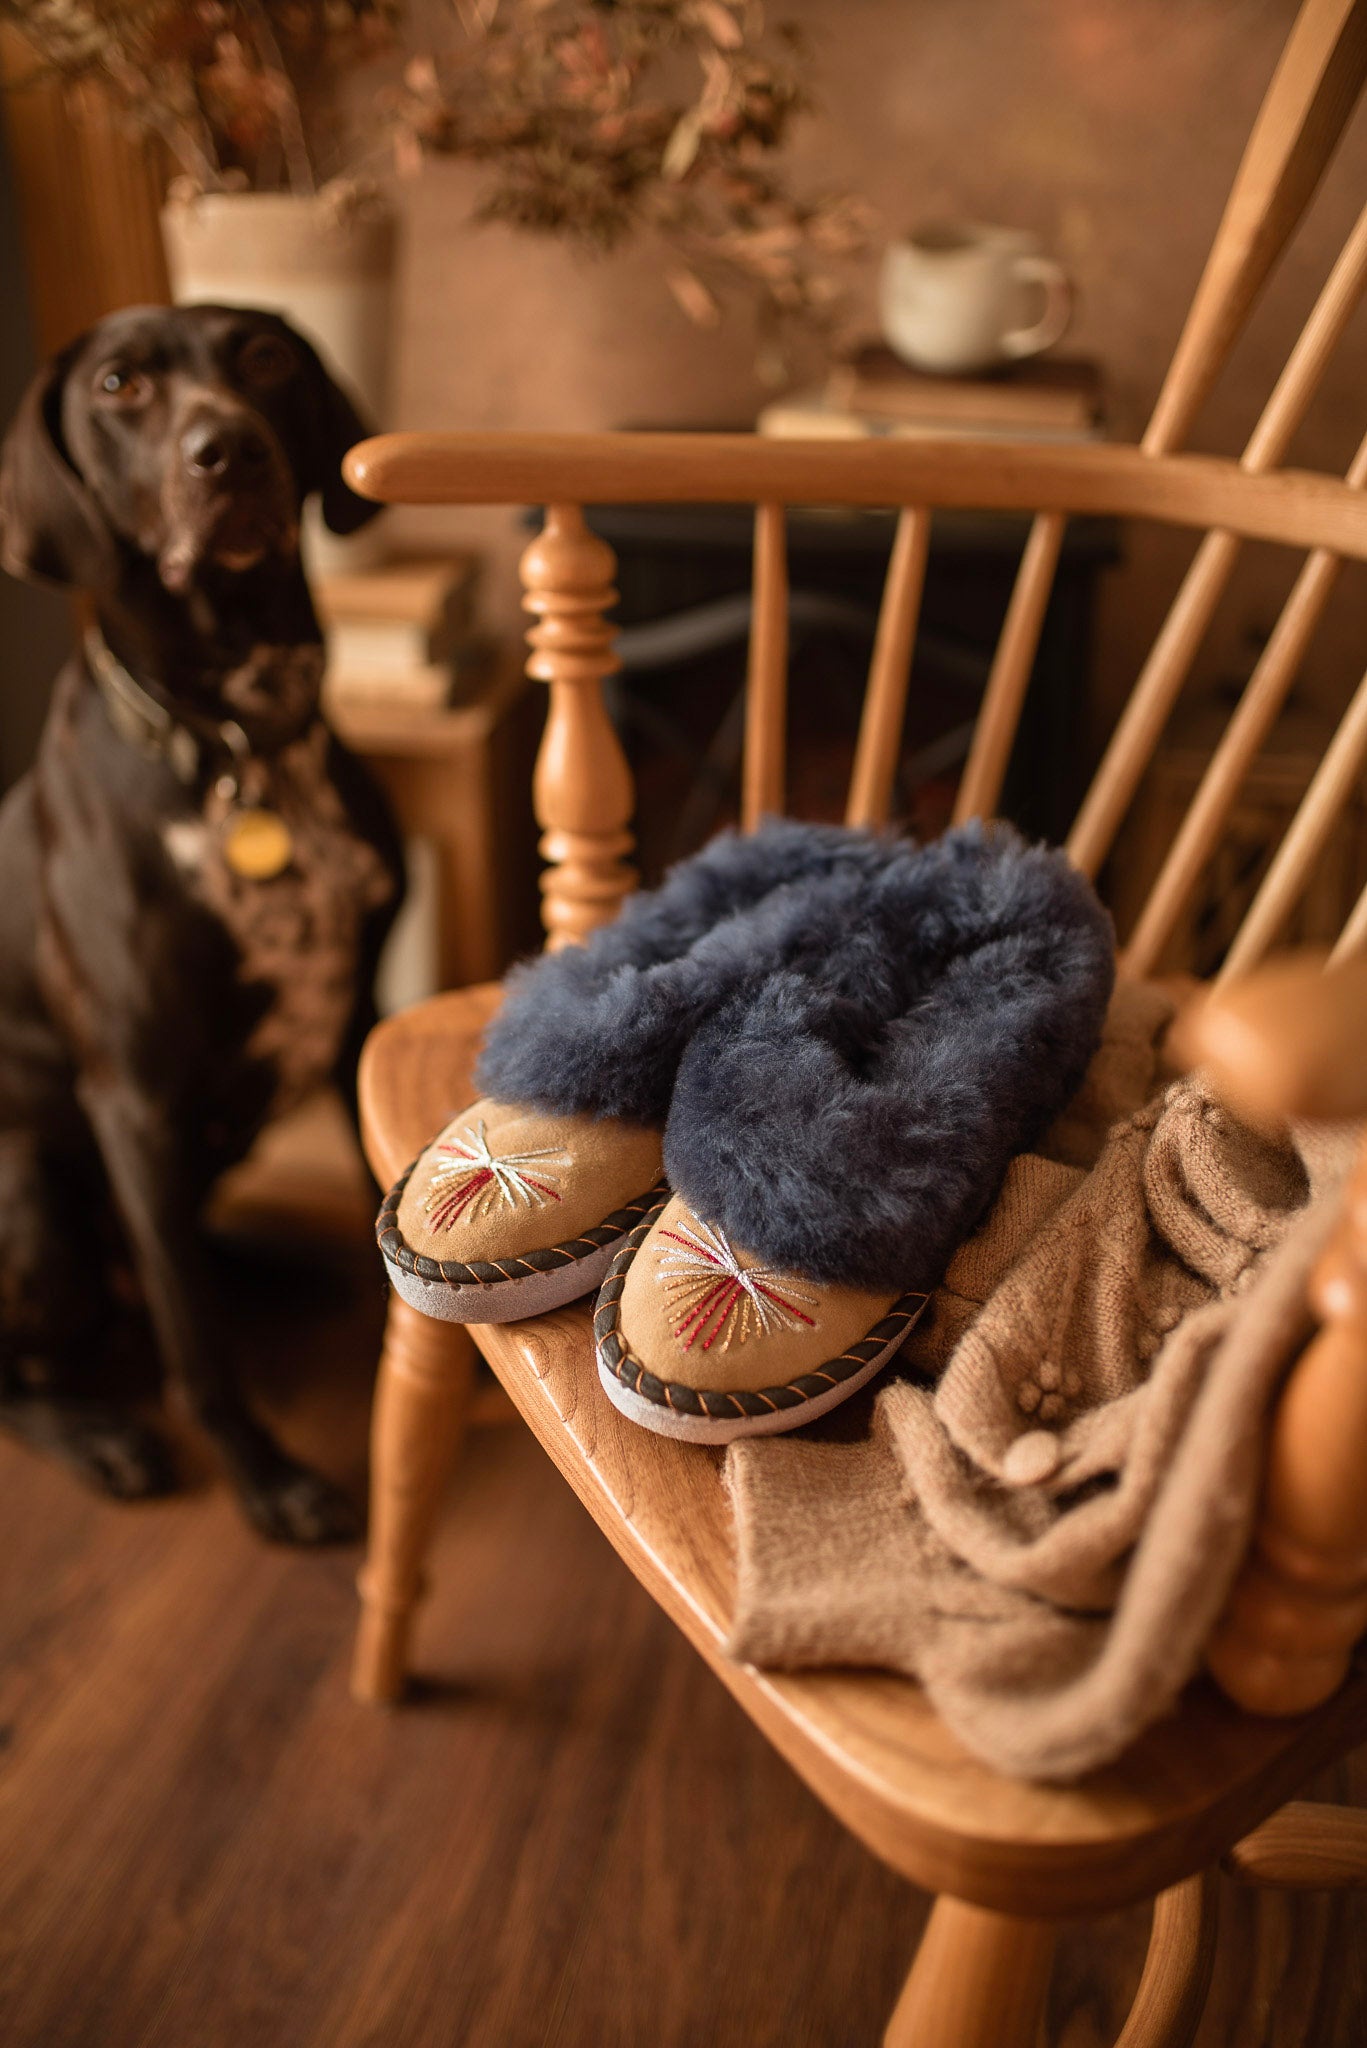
1008, 1860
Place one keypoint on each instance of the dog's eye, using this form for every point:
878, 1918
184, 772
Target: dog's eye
266, 360
119, 386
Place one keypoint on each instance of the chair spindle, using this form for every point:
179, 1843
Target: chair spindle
1150, 703
582, 789
885, 698
1177, 1969
1352, 939
1333, 783
1312, 93
766, 694
1262, 700
1305, 1846
1004, 698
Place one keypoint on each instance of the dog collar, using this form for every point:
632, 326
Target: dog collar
257, 843
137, 717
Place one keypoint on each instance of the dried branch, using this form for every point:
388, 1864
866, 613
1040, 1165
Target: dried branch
598, 121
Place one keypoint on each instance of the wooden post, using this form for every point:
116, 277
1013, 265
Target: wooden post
1300, 1605
582, 790
422, 1405
980, 1980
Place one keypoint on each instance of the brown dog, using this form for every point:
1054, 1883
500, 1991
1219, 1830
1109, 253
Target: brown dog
195, 879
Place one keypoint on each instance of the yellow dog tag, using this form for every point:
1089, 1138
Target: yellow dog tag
257, 843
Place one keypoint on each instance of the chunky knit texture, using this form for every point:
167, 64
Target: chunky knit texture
1043, 1522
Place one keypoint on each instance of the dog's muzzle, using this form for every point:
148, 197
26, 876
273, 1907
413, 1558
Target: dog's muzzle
229, 496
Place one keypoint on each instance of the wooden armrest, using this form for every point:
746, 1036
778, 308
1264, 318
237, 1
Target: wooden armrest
1288, 1041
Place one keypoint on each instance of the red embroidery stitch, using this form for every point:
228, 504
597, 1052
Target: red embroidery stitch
477, 1181
718, 1296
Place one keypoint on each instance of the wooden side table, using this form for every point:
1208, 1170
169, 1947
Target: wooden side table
461, 778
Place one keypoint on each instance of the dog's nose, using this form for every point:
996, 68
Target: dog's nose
224, 448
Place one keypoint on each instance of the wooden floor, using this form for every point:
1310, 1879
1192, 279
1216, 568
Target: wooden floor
570, 1836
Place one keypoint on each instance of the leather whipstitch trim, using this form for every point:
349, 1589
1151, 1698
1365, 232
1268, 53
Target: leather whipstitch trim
489, 1273
633, 1374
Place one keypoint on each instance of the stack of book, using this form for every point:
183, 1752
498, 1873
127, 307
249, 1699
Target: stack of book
1051, 398
402, 634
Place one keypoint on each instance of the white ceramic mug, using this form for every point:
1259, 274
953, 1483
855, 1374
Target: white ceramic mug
955, 299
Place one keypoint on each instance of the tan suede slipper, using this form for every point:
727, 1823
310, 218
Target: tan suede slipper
698, 1339
510, 1212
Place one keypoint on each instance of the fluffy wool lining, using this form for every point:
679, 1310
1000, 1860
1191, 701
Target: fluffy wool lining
598, 1029
851, 1115
850, 1036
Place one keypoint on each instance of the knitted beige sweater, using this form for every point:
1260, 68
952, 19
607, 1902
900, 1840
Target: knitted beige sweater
1045, 1534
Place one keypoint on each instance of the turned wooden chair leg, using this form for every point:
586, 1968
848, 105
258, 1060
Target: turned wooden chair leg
422, 1404
979, 1980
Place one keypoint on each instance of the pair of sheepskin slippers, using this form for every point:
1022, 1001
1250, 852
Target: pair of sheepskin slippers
759, 1112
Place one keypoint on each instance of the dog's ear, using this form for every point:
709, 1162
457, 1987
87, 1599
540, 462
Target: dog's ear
50, 526
334, 427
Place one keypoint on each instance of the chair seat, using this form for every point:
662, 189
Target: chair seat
868, 1743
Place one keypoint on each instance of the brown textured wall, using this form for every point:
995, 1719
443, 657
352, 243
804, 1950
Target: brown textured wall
1112, 127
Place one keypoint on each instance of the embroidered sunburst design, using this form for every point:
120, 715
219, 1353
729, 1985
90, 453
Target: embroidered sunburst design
716, 1296
474, 1181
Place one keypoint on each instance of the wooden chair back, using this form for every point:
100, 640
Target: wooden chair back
583, 790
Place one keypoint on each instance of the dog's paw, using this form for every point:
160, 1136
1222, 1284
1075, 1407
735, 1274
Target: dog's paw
103, 1444
125, 1459
299, 1506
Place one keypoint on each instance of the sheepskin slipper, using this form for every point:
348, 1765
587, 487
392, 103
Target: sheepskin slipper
845, 1122
700, 1339
509, 1213
518, 1205
599, 1029
851, 1116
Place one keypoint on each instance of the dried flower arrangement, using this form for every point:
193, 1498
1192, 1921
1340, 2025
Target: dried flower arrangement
584, 115
593, 119
243, 93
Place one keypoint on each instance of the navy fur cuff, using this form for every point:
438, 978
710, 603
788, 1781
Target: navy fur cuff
849, 1036
598, 1029
851, 1117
